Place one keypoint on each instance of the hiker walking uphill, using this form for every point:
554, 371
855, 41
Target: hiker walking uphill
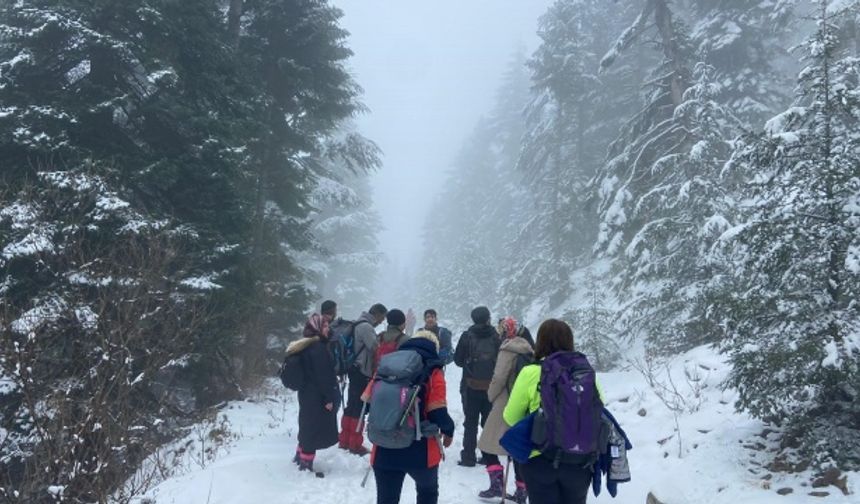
446, 345
359, 373
476, 353
514, 354
562, 389
317, 388
408, 436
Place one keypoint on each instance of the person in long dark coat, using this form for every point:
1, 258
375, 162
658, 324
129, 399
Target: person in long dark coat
318, 396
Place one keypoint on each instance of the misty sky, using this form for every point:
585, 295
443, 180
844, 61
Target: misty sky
429, 70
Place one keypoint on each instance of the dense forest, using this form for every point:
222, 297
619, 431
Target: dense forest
180, 183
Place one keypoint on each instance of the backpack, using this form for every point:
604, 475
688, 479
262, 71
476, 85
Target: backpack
481, 362
292, 372
521, 361
342, 335
384, 348
394, 418
569, 422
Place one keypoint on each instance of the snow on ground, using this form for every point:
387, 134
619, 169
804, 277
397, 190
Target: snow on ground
715, 461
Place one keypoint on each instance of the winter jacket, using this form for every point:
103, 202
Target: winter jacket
424, 452
498, 393
612, 461
462, 354
317, 425
446, 344
525, 396
366, 343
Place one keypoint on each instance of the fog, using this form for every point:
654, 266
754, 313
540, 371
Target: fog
429, 70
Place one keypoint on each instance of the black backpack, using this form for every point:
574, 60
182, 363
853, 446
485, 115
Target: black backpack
481, 362
292, 373
521, 361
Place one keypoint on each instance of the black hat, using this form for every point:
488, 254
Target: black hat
395, 317
481, 315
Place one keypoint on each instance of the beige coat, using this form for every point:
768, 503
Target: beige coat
498, 394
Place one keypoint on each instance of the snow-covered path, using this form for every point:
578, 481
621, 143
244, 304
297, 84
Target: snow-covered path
718, 464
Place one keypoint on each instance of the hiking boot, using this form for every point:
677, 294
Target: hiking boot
467, 460
359, 450
306, 462
347, 428
497, 483
521, 496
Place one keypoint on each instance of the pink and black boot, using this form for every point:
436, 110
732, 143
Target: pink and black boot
496, 474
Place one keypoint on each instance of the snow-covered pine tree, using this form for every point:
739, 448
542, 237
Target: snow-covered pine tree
295, 51
346, 261
569, 120
593, 327
744, 41
671, 279
661, 200
794, 322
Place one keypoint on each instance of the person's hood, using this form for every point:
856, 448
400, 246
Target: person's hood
425, 348
301, 344
484, 331
366, 317
516, 345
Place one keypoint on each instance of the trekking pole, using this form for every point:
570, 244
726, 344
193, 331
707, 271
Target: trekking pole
505, 481
366, 474
359, 425
409, 406
441, 445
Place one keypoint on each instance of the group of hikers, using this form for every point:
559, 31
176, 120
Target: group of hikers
538, 403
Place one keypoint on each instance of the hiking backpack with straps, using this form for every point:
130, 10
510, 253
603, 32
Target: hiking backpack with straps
568, 423
481, 362
394, 418
520, 361
342, 336
292, 374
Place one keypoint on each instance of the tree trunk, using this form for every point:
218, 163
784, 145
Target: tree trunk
234, 16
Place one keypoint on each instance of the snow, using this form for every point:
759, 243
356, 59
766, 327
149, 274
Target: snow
713, 458
37, 241
47, 310
204, 282
79, 71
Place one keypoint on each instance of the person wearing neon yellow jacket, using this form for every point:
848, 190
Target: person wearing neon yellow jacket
547, 483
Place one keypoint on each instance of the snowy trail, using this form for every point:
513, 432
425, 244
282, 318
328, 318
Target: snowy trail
255, 466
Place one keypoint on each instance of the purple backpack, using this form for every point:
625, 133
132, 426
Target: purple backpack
569, 423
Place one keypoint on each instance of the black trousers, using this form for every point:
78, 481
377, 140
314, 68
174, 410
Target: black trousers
389, 484
476, 407
567, 484
357, 384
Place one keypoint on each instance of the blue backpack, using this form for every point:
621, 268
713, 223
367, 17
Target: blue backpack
342, 337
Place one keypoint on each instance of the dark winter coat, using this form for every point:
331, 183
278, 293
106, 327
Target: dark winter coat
464, 349
424, 452
317, 426
446, 343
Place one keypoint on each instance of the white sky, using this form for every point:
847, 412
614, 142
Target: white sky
429, 69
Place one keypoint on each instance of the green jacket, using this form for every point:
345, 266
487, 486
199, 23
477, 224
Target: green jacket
525, 398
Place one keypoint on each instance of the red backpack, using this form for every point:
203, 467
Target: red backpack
384, 347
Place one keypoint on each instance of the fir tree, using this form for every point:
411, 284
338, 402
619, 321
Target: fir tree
795, 314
